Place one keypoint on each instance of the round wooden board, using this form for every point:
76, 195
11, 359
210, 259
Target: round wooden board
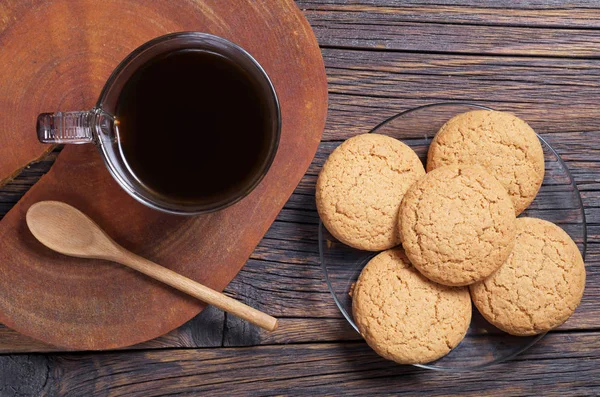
56, 56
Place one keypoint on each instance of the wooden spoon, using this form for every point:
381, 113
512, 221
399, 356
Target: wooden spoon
67, 230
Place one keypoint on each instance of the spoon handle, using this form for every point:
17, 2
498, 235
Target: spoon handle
197, 290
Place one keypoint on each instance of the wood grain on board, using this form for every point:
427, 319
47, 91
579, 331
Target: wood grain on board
81, 304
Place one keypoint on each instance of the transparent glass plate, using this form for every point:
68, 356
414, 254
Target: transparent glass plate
558, 201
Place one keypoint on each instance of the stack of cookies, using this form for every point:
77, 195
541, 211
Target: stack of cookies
460, 236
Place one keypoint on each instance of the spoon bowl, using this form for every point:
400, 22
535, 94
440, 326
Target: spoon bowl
67, 230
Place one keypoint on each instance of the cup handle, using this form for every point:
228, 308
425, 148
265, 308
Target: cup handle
66, 127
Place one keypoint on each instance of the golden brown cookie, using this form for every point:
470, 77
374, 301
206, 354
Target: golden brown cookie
502, 143
539, 286
360, 188
404, 316
457, 224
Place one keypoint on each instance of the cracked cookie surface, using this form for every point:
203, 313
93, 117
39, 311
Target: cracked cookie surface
405, 317
360, 189
539, 286
457, 224
502, 143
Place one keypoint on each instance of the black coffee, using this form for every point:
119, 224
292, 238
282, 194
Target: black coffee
194, 126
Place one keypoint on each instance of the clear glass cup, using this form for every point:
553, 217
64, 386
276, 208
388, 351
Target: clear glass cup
100, 127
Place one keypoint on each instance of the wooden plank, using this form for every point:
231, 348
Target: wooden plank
13, 191
357, 114
556, 14
366, 88
25, 375
291, 330
509, 79
562, 363
351, 31
214, 332
561, 31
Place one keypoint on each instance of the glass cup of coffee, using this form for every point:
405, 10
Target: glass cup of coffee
188, 123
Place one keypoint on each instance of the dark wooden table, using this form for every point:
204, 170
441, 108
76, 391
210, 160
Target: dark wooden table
538, 58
